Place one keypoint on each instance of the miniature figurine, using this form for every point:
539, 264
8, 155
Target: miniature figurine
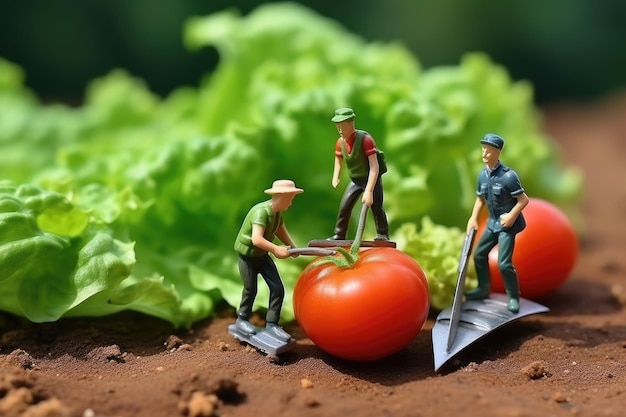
499, 188
365, 164
263, 222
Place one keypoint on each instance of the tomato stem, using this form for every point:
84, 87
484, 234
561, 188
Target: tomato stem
349, 258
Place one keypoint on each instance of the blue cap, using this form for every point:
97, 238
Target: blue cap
493, 140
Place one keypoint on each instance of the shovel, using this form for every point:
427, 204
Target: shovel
466, 322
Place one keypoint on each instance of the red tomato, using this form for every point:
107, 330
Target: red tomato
366, 312
545, 251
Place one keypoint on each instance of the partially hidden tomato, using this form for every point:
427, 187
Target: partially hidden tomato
545, 251
368, 311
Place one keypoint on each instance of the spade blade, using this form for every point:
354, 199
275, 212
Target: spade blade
478, 318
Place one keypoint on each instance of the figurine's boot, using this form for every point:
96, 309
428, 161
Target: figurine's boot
513, 305
245, 326
341, 227
277, 331
479, 293
484, 287
512, 290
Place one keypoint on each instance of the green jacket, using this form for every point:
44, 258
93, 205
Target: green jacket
262, 215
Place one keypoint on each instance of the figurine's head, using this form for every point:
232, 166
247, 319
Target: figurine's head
493, 140
344, 120
492, 146
343, 114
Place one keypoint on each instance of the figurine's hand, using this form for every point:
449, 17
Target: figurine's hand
281, 252
368, 198
293, 255
471, 224
507, 220
335, 182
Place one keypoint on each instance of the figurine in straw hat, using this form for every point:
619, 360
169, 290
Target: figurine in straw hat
254, 242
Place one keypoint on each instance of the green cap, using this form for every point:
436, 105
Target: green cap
344, 113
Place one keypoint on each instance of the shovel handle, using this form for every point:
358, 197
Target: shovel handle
361, 226
455, 315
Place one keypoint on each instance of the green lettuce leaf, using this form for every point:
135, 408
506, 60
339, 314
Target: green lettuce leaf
54, 262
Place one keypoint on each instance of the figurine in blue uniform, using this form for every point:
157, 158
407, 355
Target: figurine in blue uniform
500, 189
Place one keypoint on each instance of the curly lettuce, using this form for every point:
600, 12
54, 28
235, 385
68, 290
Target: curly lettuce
438, 249
56, 261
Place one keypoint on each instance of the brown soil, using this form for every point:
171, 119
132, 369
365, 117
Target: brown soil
569, 362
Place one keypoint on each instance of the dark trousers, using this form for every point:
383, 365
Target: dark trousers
249, 269
350, 196
506, 243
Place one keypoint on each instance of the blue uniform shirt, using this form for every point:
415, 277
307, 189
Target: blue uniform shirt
499, 187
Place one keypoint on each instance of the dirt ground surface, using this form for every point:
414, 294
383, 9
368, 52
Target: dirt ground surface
568, 362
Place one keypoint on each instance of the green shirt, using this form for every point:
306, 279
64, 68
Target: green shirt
262, 215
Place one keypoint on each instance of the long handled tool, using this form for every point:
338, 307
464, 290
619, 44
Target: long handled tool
312, 251
455, 315
360, 228
466, 322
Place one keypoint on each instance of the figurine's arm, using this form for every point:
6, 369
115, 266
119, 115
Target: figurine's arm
372, 177
472, 223
336, 171
283, 234
260, 242
507, 219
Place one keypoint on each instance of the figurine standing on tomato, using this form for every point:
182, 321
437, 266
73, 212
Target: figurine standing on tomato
365, 164
500, 189
254, 242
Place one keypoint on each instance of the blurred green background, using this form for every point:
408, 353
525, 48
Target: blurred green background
569, 49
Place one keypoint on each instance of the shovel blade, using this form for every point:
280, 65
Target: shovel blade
478, 318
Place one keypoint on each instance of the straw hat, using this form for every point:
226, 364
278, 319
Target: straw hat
284, 187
